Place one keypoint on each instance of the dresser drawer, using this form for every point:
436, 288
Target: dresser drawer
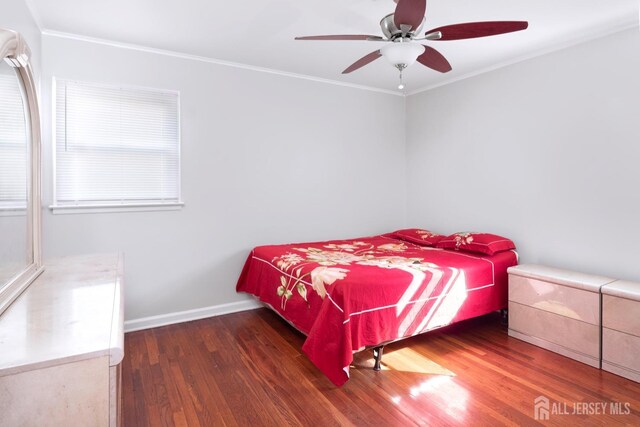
620, 354
555, 298
564, 335
621, 329
621, 314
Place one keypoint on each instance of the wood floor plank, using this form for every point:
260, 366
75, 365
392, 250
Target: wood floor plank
248, 369
152, 347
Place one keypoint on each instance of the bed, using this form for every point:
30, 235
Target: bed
348, 295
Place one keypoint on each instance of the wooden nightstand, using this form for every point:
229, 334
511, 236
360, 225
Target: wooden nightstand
557, 309
621, 329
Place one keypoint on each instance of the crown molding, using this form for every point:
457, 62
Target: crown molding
173, 54
593, 35
560, 46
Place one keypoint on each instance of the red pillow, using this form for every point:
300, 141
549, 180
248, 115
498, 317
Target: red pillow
483, 243
418, 236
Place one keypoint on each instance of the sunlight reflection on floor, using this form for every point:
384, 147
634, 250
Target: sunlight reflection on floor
439, 391
408, 360
443, 391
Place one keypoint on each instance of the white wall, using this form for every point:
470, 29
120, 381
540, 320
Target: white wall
546, 152
265, 158
543, 151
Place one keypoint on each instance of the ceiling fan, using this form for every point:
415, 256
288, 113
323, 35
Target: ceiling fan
403, 28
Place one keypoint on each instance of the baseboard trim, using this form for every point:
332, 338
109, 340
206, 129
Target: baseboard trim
188, 315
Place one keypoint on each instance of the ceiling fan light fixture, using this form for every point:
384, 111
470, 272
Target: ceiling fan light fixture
402, 54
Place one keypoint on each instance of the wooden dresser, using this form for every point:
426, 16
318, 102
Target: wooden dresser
61, 346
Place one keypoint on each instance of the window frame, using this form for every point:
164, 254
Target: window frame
125, 206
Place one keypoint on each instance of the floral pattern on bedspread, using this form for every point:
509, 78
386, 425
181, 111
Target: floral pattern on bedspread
361, 253
349, 294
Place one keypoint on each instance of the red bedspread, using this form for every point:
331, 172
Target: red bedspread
346, 295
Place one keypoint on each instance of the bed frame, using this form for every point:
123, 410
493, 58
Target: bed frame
379, 349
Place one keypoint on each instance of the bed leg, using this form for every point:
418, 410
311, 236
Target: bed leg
377, 354
505, 316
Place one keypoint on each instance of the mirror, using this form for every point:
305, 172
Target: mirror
14, 167
19, 170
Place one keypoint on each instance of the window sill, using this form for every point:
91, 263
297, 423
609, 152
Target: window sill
109, 208
13, 211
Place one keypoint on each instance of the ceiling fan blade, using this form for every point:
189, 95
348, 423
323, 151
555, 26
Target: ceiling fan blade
433, 59
363, 61
409, 12
343, 37
471, 30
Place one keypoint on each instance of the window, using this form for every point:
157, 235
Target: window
13, 144
116, 147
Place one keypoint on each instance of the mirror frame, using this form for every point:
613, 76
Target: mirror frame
14, 51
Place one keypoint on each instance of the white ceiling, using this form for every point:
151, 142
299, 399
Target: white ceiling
260, 32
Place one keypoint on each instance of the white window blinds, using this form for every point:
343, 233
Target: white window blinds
13, 144
116, 146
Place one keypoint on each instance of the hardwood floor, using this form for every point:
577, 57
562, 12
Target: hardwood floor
247, 369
